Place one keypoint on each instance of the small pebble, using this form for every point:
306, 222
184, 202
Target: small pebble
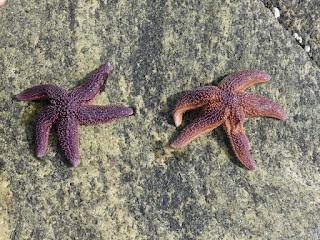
299, 39
276, 12
307, 48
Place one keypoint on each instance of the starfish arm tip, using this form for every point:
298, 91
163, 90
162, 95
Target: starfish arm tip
247, 162
20, 97
108, 67
177, 118
130, 111
174, 145
284, 116
124, 111
40, 153
25, 96
74, 163
279, 113
265, 76
251, 167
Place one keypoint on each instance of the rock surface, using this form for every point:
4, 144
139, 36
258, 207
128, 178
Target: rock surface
302, 18
130, 184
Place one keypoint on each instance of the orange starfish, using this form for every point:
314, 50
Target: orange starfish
226, 104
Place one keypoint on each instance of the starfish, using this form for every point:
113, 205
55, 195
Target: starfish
226, 104
68, 109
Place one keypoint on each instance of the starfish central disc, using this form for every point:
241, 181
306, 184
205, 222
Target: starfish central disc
67, 107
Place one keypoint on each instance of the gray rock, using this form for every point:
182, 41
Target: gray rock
130, 184
302, 18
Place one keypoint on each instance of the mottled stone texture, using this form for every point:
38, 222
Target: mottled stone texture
303, 18
130, 183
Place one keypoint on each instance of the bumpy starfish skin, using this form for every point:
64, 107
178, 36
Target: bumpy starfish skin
68, 109
226, 104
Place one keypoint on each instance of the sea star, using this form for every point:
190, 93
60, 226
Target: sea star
68, 109
226, 104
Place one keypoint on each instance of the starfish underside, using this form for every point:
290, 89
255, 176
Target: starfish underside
68, 109
226, 104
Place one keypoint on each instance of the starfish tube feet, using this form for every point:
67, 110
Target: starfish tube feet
227, 104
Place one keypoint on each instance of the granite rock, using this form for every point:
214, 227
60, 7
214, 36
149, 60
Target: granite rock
130, 184
301, 18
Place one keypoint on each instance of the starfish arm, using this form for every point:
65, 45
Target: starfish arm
90, 89
256, 105
240, 145
194, 99
239, 81
44, 91
68, 134
44, 123
206, 122
102, 114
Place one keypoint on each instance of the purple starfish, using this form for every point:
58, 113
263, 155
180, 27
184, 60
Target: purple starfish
68, 109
